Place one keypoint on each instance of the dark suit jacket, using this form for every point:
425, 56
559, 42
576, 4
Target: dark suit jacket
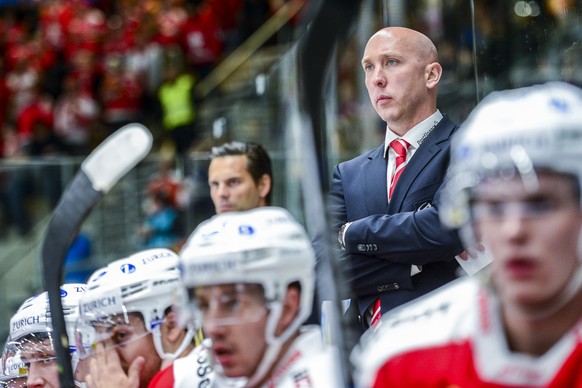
385, 240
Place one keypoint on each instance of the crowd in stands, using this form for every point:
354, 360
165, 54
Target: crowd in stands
73, 71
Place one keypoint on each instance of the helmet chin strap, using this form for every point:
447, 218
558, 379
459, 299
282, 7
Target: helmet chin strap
157, 335
274, 343
75, 359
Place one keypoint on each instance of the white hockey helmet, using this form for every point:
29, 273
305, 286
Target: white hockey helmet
30, 326
34, 315
13, 372
147, 282
514, 131
264, 246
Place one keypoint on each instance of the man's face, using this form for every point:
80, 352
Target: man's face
395, 76
130, 339
232, 187
532, 235
41, 360
234, 317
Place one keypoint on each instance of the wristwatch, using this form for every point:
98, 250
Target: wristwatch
341, 236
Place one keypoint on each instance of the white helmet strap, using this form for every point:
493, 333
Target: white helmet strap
187, 340
274, 343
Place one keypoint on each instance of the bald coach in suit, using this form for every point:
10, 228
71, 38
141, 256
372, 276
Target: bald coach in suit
394, 247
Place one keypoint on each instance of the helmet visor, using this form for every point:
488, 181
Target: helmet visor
13, 370
110, 331
13, 382
38, 349
228, 304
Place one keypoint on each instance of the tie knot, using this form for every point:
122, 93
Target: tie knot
399, 146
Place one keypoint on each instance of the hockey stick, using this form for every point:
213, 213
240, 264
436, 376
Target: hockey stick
112, 159
329, 26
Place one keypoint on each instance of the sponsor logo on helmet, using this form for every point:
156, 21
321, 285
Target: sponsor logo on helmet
211, 267
13, 365
246, 230
161, 282
156, 257
560, 105
127, 268
22, 323
98, 304
64, 293
504, 144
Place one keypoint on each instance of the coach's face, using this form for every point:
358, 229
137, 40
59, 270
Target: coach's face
402, 75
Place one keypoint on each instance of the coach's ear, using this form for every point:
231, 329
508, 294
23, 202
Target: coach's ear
433, 72
290, 309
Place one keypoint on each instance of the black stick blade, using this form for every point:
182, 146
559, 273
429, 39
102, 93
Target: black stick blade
118, 154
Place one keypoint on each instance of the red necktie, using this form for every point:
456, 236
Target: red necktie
376, 314
400, 146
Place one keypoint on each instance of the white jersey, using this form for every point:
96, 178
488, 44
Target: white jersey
307, 363
455, 337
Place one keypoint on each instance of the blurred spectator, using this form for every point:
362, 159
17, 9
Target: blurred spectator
86, 30
168, 181
169, 20
167, 199
78, 265
21, 82
38, 109
84, 69
160, 228
75, 116
121, 95
176, 98
54, 19
201, 39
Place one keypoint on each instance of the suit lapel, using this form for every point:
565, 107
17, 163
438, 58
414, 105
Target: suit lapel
373, 180
430, 148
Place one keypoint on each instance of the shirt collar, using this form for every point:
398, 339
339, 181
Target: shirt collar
416, 135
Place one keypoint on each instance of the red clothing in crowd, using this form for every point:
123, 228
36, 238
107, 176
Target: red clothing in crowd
201, 40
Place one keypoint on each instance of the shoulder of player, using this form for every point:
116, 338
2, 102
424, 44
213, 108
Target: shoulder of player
430, 321
309, 362
448, 312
